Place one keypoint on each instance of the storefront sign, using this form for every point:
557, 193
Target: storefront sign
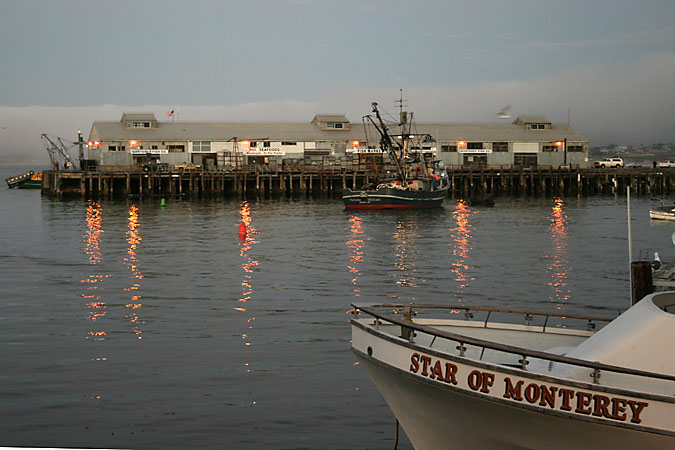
264, 151
364, 150
475, 150
149, 151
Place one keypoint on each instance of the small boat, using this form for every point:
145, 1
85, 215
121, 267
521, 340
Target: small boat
468, 384
662, 213
416, 183
27, 180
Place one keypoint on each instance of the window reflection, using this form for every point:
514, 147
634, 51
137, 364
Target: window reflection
406, 253
356, 243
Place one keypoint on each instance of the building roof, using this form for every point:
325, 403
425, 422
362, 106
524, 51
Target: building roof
299, 131
531, 119
138, 117
331, 118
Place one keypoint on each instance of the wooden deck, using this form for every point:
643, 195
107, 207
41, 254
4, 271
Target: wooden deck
465, 182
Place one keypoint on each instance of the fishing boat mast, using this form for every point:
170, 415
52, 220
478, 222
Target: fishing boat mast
388, 144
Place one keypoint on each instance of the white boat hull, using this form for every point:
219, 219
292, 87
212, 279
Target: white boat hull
435, 418
469, 396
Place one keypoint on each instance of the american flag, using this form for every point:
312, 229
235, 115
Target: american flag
170, 113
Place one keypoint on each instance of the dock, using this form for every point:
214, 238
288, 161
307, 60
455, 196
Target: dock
109, 182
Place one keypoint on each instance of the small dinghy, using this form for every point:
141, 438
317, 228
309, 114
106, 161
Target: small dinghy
662, 213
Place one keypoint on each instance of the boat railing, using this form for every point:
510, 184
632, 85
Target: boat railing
527, 315
408, 327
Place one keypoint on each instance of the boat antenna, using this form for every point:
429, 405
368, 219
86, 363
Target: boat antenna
400, 102
630, 244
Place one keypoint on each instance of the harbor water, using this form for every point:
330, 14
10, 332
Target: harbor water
147, 324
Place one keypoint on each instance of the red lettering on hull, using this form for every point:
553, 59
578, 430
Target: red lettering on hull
548, 397
580, 402
433, 368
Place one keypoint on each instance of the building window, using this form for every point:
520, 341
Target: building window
288, 143
154, 147
201, 146
253, 144
549, 148
140, 124
334, 125
537, 126
448, 148
500, 146
175, 148
525, 160
474, 145
266, 144
112, 148
575, 148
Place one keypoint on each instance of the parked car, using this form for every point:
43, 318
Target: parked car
666, 164
609, 162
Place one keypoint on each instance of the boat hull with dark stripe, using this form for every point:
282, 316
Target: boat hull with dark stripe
391, 198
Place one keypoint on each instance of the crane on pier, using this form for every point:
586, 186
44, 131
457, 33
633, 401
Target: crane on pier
236, 156
58, 152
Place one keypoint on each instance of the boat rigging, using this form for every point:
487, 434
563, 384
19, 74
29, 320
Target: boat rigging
58, 152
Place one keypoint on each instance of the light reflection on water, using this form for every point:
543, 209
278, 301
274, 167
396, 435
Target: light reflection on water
558, 261
92, 239
247, 241
461, 245
134, 239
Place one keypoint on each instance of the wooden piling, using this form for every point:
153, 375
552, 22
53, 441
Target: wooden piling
641, 280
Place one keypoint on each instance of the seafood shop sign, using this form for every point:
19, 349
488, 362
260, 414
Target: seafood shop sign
526, 391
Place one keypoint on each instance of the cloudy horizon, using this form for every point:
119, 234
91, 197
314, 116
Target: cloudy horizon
607, 65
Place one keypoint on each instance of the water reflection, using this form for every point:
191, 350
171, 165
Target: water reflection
356, 243
92, 237
133, 241
406, 252
247, 241
461, 246
92, 248
558, 263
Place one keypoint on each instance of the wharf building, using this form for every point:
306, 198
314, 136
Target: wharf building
139, 139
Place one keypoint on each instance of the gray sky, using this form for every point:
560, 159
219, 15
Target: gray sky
66, 63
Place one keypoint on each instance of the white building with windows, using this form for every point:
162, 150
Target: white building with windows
138, 138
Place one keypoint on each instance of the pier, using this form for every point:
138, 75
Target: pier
330, 180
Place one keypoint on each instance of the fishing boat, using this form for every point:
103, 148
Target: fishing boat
457, 382
662, 213
27, 180
417, 182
